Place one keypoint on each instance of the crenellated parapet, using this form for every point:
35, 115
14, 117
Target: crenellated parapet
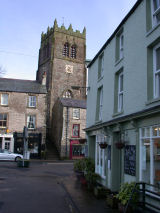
63, 29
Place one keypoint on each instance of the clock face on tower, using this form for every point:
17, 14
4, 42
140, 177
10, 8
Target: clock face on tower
69, 69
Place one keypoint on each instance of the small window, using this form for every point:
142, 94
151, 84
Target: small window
3, 120
101, 66
120, 92
119, 45
32, 101
66, 50
4, 99
76, 113
73, 51
156, 68
67, 94
31, 121
99, 106
76, 130
156, 11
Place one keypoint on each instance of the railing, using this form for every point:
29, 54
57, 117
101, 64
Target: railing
149, 195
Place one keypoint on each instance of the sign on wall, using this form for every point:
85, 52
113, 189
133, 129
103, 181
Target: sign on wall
130, 160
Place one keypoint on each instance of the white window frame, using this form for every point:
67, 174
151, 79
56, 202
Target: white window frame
156, 73
31, 119
120, 92
32, 101
121, 44
147, 135
100, 103
4, 99
76, 113
100, 169
155, 13
4, 120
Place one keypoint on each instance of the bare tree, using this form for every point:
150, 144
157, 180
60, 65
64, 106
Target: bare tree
2, 71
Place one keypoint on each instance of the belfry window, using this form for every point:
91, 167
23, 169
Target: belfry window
66, 49
73, 51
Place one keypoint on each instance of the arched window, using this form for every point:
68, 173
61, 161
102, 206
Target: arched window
66, 49
73, 51
67, 94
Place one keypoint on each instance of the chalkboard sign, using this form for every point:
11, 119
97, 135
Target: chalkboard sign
130, 160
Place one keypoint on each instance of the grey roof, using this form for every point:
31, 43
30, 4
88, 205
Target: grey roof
68, 102
22, 86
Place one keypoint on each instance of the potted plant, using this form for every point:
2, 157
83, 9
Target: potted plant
120, 144
112, 200
103, 145
92, 178
78, 167
124, 195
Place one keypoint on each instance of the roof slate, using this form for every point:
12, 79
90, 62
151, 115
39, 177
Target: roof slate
22, 86
68, 102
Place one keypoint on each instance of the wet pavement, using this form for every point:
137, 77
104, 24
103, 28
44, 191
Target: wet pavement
49, 187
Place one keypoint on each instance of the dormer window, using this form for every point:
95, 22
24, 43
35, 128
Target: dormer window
66, 49
73, 51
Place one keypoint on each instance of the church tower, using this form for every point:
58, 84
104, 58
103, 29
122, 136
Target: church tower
61, 65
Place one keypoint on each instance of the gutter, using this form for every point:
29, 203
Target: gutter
137, 115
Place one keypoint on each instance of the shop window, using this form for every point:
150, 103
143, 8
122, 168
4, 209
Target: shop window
31, 121
32, 101
101, 157
76, 130
76, 113
150, 155
4, 99
3, 120
7, 146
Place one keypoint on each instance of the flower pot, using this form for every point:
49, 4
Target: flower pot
103, 145
122, 207
120, 145
112, 201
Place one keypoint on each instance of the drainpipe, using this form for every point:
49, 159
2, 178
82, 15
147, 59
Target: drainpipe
67, 122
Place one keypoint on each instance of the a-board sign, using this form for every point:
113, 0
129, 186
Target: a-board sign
130, 160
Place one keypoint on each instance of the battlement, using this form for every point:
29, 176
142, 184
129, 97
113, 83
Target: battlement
62, 29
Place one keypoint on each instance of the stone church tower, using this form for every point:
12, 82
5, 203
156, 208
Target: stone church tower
61, 65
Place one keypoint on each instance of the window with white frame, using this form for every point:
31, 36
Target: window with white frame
76, 113
101, 66
156, 11
156, 68
100, 157
31, 121
120, 92
3, 120
150, 155
32, 101
4, 99
100, 104
121, 39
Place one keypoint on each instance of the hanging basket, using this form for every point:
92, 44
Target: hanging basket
120, 145
103, 145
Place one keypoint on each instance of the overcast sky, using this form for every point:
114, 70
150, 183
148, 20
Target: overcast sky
22, 22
